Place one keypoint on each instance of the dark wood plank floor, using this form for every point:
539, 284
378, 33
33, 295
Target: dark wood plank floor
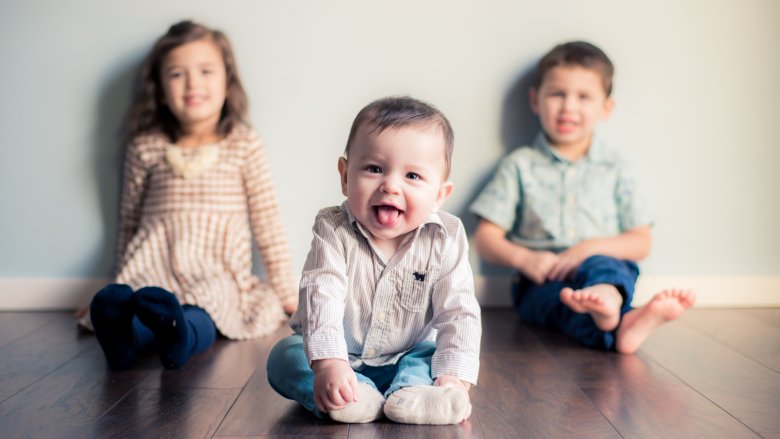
711, 374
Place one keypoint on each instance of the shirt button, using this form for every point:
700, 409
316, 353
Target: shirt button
369, 352
380, 317
571, 172
571, 233
571, 200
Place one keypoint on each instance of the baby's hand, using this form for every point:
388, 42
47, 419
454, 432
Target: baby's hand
538, 266
449, 380
335, 384
291, 306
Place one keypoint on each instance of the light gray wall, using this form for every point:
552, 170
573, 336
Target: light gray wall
697, 96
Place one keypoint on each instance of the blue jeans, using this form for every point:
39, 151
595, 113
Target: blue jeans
291, 376
541, 304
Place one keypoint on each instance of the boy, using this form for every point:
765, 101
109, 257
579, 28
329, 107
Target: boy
388, 321
565, 214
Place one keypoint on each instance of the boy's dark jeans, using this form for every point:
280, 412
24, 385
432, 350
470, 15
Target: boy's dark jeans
541, 304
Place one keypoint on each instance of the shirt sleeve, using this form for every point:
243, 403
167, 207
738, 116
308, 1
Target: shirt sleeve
322, 294
633, 210
266, 221
456, 315
499, 200
134, 178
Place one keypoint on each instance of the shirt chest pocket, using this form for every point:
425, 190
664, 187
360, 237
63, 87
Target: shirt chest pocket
416, 288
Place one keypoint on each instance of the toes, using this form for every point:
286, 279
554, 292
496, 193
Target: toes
690, 298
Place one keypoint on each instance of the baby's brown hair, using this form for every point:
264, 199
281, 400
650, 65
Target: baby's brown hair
399, 111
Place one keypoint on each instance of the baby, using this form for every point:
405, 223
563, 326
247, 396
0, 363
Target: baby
388, 322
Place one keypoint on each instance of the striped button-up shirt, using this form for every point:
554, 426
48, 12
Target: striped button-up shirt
359, 306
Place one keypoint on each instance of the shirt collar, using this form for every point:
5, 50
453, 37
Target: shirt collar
596, 151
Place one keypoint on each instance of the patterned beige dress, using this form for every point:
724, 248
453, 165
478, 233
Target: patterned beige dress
184, 225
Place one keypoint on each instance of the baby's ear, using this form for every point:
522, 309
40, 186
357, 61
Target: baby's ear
343, 173
445, 190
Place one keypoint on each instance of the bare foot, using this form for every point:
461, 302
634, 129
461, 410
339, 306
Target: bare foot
637, 324
601, 301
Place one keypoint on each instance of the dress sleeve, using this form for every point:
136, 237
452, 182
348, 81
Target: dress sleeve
266, 221
457, 316
134, 178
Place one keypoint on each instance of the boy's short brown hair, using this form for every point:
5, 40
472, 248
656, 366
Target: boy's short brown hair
399, 111
577, 53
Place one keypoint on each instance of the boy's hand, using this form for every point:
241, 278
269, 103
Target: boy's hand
449, 380
569, 261
539, 265
335, 384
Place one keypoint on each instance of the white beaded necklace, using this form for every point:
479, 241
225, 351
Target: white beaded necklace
202, 159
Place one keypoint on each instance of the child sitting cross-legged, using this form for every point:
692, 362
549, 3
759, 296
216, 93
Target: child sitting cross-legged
566, 215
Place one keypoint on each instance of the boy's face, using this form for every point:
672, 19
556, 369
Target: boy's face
394, 179
570, 102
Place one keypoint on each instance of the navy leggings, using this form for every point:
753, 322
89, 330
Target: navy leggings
541, 304
115, 304
204, 333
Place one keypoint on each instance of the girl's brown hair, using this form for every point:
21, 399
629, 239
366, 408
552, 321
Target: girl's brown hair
150, 114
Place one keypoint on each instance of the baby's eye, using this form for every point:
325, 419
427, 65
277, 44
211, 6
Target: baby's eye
374, 169
175, 74
413, 176
207, 72
585, 97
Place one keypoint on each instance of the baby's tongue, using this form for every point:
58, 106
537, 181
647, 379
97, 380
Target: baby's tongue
386, 215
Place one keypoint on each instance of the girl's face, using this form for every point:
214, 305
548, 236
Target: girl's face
195, 83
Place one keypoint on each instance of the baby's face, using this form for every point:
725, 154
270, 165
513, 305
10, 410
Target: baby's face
570, 102
394, 179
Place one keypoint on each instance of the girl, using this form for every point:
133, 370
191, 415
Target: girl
195, 181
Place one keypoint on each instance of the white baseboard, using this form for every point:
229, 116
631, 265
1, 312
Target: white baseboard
47, 294
18, 294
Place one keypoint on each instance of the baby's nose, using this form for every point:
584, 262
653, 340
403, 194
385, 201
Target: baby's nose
389, 186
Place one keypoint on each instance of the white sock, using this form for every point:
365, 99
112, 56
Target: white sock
368, 407
428, 405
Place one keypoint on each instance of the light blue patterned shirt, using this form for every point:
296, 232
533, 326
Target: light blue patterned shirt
547, 202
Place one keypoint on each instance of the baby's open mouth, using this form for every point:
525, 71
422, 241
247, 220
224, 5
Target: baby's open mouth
387, 215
